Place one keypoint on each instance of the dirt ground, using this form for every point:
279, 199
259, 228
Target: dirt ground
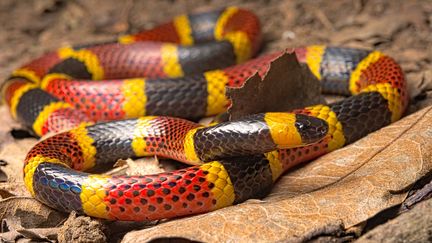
399, 28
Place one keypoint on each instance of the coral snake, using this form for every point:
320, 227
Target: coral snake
187, 64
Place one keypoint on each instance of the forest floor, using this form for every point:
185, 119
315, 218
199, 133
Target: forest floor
399, 28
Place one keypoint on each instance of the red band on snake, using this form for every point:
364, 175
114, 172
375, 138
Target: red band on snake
181, 69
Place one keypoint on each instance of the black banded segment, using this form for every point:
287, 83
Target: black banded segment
203, 25
59, 186
31, 104
235, 138
336, 67
251, 176
113, 140
311, 129
362, 114
72, 67
204, 57
181, 97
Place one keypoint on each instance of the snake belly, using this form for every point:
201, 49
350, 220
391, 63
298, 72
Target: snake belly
187, 64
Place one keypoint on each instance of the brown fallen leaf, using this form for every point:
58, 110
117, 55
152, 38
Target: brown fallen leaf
14, 153
347, 186
16, 232
31, 213
273, 93
375, 30
413, 226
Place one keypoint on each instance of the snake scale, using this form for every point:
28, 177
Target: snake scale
150, 82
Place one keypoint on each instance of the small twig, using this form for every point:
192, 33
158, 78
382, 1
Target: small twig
420, 195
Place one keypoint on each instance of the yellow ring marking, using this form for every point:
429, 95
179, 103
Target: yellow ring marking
126, 39
133, 91
363, 65
239, 39
314, 55
275, 164
189, 147
184, 30
17, 97
31, 166
222, 21
335, 126
217, 101
241, 44
90, 60
52, 76
26, 73
283, 130
140, 132
171, 65
93, 194
86, 144
46, 113
392, 96
223, 190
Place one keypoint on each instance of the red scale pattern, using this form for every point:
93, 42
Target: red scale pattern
244, 21
12, 87
41, 66
132, 60
63, 119
163, 33
166, 136
301, 54
63, 147
292, 157
238, 74
164, 195
385, 70
100, 100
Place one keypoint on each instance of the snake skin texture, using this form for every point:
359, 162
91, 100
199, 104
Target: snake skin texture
181, 69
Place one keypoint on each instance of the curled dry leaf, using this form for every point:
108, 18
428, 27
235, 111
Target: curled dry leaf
348, 186
278, 90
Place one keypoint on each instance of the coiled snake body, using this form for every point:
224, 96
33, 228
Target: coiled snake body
188, 63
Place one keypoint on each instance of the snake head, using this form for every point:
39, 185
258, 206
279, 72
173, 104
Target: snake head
290, 130
311, 129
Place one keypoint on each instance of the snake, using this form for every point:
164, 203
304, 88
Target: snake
139, 94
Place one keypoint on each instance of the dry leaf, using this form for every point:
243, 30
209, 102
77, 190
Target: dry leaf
17, 232
348, 186
14, 153
405, 227
32, 213
279, 89
378, 29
